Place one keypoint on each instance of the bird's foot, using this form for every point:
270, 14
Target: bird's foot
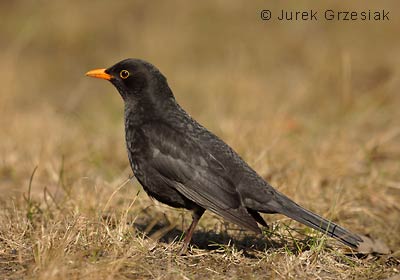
183, 250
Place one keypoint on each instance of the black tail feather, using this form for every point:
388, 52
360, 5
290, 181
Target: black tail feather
306, 217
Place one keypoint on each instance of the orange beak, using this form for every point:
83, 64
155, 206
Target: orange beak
99, 73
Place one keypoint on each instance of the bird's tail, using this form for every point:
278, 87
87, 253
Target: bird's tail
304, 216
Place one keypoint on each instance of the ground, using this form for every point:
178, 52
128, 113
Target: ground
313, 107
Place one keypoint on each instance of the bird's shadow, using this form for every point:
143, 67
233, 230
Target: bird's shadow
242, 240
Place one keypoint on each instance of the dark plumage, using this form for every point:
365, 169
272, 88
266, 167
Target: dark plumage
182, 164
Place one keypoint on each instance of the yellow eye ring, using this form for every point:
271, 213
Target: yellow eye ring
124, 74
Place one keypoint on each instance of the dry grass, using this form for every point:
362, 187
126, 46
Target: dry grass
313, 107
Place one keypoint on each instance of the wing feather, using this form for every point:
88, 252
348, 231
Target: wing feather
195, 173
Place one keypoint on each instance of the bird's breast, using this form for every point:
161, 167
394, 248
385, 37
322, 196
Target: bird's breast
136, 147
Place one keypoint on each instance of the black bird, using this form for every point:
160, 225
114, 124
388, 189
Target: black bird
182, 164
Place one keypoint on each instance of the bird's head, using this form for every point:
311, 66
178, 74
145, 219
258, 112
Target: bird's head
136, 81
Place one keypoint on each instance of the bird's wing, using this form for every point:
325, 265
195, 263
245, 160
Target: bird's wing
194, 172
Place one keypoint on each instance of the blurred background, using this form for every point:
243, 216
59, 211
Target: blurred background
312, 106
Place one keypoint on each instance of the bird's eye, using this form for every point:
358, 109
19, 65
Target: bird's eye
124, 74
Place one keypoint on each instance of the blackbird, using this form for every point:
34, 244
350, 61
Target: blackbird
182, 164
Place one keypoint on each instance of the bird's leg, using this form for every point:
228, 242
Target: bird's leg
197, 213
